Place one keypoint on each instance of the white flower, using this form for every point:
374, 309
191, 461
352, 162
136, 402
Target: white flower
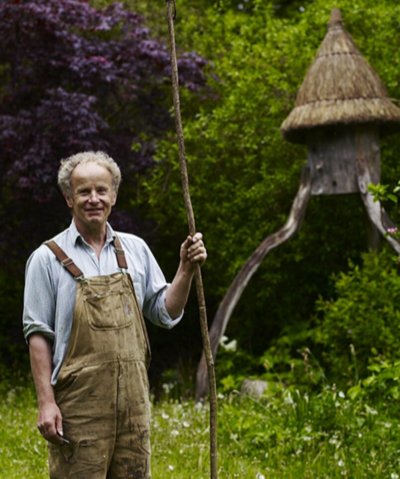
168, 387
371, 410
171, 468
231, 346
174, 433
288, 399
164, 415
341, 394
394, 476
340, 463
260, 476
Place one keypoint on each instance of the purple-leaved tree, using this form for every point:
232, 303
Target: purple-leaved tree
74, 78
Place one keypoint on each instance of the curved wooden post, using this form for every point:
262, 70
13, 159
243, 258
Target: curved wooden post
241, 280
378, 216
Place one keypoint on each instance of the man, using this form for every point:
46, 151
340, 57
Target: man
84, 296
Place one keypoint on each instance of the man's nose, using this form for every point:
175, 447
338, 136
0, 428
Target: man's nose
93, 198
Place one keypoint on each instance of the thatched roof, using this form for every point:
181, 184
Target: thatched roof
340, 88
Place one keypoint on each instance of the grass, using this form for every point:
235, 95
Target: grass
288, 435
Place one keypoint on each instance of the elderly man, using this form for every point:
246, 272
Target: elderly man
86, 292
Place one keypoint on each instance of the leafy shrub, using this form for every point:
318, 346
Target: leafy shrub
381, 385
290, 360
233, 365
363, 322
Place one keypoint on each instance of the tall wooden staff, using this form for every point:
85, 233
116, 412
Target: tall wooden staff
171, 8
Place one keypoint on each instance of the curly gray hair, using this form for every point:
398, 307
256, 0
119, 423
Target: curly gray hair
68, 165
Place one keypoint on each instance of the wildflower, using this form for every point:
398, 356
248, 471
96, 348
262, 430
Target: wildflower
341, 394
168, 387
164, 415
288, 399
174, 433
231, 346
333, 440
260, 476
171, 467
370, 410
392, 231
185, 424
340, 463
394, 476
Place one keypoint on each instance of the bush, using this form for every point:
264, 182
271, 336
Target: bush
363, 322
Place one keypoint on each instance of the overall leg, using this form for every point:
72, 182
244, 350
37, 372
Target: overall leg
132, 454
88, 403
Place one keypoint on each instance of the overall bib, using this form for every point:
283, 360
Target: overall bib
102, 389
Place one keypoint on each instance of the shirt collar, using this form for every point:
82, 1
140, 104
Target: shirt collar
75, 235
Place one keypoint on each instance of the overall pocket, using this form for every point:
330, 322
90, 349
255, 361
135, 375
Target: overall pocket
112, 310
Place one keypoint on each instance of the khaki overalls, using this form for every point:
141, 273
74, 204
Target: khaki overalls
102, 388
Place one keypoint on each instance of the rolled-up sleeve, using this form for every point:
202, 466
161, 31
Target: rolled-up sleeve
39, 296
156, 287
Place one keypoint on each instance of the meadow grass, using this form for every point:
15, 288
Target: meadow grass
291, 435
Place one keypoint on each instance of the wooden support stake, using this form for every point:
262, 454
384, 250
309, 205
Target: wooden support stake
243, 277
192, 229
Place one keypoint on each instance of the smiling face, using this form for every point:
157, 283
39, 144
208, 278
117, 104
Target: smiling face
92, 196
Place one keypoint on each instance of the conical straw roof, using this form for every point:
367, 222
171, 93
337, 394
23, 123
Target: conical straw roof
340, 88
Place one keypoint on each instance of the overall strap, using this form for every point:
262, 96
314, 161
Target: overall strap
67, 262
71, 267
121, 259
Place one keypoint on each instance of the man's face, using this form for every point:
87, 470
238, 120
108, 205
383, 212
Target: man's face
92, 195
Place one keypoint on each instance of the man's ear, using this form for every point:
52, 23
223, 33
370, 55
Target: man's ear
69, 201
114, 200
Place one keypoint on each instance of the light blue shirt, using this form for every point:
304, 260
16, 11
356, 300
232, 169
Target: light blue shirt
49, 297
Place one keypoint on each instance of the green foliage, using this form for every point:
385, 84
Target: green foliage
23, 453
363, 322
244, 176
288, 435
233, 365
290, 360
382, 383
383, 193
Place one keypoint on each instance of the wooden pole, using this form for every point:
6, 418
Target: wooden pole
192, 230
